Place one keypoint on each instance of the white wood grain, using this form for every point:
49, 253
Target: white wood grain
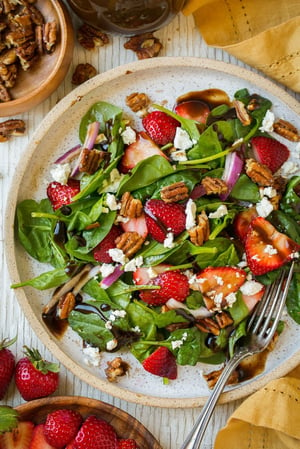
170, 426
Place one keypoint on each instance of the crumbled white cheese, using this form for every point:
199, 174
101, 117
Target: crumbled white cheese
264, 207
256, 257
220, 212
111, 202
133, 264
218, 299
178, 156
111, 344
268, 122
117, 314
182, 140
136, 329
190, 212
113, 183
152, 273
177, 343
269, 249
117, 255
251, 288
269, 192
108, 325
60, 173
230, 299
92, 356
169, 240
219, 280
121, 219
106, 269
128, 135
289, 168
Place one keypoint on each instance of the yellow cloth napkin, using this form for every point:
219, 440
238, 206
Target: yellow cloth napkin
264, 34
268, 419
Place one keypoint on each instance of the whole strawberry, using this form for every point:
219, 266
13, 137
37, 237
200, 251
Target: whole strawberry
35, 377
95, 434
160, 126
127, 443
61, 427
7, 365
161, 363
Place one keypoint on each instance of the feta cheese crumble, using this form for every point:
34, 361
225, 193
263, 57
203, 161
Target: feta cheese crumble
111, 344
91, 356
190, 212
268, 122
251, 287
133, 264
111, 202
220, 212
177, 343
117, 255
182, 140
264, 207
169, 240
178, 156
269, 249
128, 135
60, 173
106, 269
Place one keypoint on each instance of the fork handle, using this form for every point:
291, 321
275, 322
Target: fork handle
195, 437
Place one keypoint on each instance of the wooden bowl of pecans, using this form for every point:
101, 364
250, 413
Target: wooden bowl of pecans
36, 48
125, 425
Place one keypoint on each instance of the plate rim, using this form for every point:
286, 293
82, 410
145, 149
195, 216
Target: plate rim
49, 340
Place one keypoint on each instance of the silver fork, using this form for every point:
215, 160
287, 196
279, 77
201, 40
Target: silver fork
261, 327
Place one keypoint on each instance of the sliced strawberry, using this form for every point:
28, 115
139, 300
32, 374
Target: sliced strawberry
252, 292
127, 443
138, 225
38, 440
266, 248
242, 221
173, 284
216, 283
141, 276
161, 363
19, 437
160, 126
162, 218
269, 152
62, 194
193, 109
139, 150
100, 252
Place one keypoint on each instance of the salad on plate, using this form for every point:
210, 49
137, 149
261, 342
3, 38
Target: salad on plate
163, 233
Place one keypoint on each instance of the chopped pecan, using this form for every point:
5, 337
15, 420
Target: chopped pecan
27, 55
208, 325
212, 377
11, 127
242, 113
8, 74
90, 160
4, 95
36, 16
130, 206
90, 38
116, 368
259, 173
223, 319
175, 192
214, 186
287, 130
65, 305
129, 243
144, 45
50, 36
138, 102
8, 57
279, 183
82, 73
8, 6
200, 233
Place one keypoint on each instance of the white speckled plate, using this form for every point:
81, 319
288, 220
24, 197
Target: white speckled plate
163, 79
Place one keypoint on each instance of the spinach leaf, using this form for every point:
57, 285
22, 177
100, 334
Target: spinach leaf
290, 202
224, 253
101, 112
239, 332
285, 224
245, 190
238, 311
293, 298
47, 280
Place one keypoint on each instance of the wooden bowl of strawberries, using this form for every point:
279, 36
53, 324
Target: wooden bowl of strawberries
75, 422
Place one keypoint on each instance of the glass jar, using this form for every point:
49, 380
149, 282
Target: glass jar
127, 17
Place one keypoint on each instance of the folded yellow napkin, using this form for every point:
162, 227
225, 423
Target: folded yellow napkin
268, 419
264, 34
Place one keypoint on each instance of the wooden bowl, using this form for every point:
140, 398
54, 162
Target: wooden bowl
36, 84
125, 425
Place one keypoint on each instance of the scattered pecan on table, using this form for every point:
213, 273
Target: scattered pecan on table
144, 45
91, 38
11, 127
82, 73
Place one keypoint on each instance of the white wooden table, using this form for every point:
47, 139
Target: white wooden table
169, 426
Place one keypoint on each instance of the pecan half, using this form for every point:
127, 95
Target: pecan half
90, 160
129, 243
11, 127
144, 45
242, 113
286, 130
223, 319
212, 378
50, 31
138, 102
91, 38
200, 233
130, 206
65, 305
208, 325
259, 173
175, 192
82, 73
116, 368
8, 74
4, 95
214, 186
